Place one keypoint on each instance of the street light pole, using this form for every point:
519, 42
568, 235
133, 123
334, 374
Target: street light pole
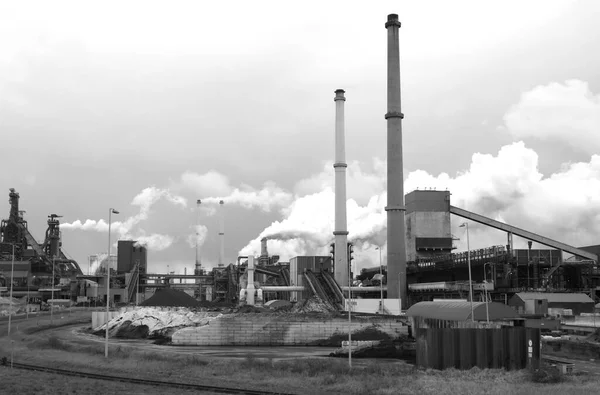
349, 311
110, 211
137, 292
380, 282
12, 275
466, 225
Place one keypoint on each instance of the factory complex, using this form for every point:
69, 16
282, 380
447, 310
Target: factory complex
426, 287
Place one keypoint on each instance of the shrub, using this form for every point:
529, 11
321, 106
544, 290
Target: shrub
57, 344
547, 375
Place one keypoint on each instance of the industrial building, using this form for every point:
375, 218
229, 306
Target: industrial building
39, 268
550, 303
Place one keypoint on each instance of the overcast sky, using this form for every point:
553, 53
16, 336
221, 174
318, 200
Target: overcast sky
146, 106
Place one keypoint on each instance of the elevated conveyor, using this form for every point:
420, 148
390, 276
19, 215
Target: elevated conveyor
322, 289
522, 233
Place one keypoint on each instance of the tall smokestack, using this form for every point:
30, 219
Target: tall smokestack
396, 242
341, 228
264, 253
222, 233
198, 268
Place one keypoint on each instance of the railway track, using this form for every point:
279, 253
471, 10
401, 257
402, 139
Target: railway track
196, 387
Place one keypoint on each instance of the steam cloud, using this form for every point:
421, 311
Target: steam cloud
218, 187
97, 261
199, 237
144, 200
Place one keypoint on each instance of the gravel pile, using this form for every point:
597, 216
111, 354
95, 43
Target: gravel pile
314, 305
167, 297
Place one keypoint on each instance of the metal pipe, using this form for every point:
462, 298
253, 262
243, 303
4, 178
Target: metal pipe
276, 288
363, 289
396, 238
341, 271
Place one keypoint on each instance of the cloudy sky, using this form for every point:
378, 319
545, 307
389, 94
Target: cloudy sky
147, 106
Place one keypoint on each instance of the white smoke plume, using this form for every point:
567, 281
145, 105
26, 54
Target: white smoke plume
199, 237
308, 226
266, 198
97, 261
217, 187
155, 241
144, 200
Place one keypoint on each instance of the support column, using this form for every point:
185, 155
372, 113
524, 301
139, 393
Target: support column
396, 238
250, 288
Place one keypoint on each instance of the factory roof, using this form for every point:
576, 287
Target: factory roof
556, 297
461, 311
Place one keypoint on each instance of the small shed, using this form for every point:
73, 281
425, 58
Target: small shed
453, 314
542, 303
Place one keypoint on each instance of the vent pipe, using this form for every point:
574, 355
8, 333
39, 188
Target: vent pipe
396, 239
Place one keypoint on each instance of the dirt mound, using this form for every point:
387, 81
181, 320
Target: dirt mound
128, 331
168, 297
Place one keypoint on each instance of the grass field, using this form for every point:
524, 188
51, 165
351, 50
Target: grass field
302, 376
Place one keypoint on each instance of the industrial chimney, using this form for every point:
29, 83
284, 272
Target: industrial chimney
198, 268
396, 241
222, 233
264, 253
340, 232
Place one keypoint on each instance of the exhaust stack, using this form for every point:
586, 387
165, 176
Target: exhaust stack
396, 240
198, 268
341, 228
222, 234
264, 253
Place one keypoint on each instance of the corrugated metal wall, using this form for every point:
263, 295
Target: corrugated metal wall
509, 348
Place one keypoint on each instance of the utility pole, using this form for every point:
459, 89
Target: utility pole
12, 278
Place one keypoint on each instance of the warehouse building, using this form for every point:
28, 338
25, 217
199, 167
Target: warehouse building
538, 303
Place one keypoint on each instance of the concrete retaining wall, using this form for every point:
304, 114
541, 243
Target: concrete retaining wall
266, 330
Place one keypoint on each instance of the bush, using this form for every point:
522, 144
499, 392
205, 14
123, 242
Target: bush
547, 375
57, 344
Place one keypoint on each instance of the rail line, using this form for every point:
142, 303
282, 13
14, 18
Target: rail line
197, 387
